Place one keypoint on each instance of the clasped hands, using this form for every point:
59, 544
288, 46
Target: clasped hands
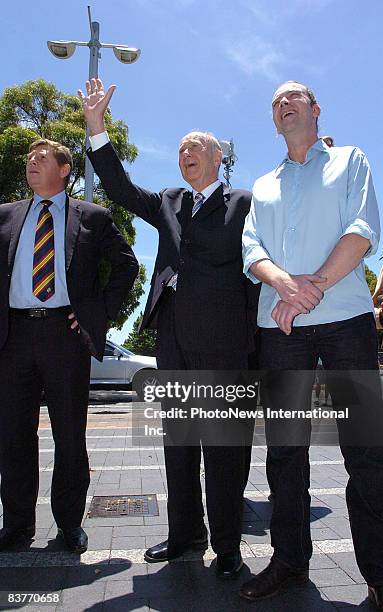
299, 295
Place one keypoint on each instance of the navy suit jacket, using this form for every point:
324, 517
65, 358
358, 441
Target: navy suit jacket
215, 304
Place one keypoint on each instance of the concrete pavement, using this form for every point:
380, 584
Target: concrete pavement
112, 575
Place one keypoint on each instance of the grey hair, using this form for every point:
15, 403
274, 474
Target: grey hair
205, 138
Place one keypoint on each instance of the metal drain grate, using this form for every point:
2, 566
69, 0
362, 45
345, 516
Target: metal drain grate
123, 505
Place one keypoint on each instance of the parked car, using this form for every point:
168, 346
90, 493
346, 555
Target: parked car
118, 367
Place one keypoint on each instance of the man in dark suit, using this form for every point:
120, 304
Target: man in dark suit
54, 316
202, 307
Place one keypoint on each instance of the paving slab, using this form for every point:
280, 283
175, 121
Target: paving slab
112, 575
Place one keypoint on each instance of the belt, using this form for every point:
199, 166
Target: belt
40, 313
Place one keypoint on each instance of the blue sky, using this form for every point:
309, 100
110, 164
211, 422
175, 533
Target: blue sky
212, 65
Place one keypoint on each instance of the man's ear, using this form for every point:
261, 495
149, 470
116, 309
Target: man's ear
217, 158
64, 170
316, 110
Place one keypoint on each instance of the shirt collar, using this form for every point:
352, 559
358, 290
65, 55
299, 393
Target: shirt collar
58, 200
318, 146
208, 190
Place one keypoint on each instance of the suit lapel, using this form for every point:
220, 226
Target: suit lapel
73, 217
184, 212
20, 210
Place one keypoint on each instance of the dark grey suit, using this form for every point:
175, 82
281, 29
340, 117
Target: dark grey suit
208, 323
44, 353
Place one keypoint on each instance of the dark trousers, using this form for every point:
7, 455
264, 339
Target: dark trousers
226, 467
43, 354
344, 345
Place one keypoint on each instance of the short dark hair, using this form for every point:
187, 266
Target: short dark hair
309, 92
60, 152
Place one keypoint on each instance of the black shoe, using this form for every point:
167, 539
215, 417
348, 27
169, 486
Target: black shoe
160, 552
271, 580
10, 536
75, 539
375, 595
229, 565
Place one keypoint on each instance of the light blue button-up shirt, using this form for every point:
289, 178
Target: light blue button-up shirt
20, 293
298, 214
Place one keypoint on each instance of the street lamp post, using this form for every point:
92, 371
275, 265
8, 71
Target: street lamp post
64, 49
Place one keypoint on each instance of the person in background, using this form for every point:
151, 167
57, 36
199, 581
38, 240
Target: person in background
328, 140
320, 381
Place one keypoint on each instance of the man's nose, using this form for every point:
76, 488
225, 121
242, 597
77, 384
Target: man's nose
283, 101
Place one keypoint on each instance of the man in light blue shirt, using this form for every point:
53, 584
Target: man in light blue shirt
298, 228
312, 221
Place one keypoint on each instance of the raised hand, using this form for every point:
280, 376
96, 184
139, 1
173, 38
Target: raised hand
95, 103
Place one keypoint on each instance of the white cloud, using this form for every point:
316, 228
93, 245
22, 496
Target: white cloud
273, 15
307, 5
255, 56
153, 148
263, 15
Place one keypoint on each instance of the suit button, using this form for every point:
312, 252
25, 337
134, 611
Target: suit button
187, 241
182, 261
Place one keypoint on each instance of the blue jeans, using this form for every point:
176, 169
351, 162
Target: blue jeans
344, 345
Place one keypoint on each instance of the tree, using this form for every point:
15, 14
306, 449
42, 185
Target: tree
143, 343
370, 278
37, 109
371, 282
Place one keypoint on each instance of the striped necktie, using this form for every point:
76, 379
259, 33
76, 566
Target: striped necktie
43, 281
198, 201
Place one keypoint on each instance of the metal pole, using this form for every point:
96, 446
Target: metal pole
94, 46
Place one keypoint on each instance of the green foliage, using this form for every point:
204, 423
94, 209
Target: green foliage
143, 343
37, 109
134, 299
14, 144
370, 278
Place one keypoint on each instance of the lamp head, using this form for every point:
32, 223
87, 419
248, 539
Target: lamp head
228, 156
62, 49
126, 55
